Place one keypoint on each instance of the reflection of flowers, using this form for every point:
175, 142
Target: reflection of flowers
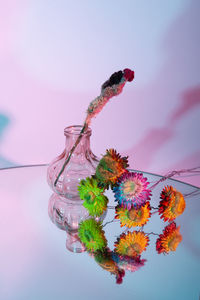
111, 167
131, 190
104, 259
133, 217
92, 235
169, 239
92, 194
172, 204
131, 244
127, 263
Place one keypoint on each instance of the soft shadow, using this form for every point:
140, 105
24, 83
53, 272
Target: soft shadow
181, 46
4, 122
190, 100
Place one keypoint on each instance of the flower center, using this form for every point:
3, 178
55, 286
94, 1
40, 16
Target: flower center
109, 169
90, 197
129, 188
88, 235
134, 250
135, 215
179, 204
173, 243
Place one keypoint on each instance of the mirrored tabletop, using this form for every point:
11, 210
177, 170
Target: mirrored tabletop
37, 261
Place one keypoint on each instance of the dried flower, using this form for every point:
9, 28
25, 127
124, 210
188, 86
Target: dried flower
112, 87
169, 239
94, 200
133, 217
111, 167
92, 235
127, 263
132, 190
172, 204
129, 74
105, 260
132, 244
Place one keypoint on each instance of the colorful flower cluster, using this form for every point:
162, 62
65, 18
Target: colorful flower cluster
130, 190
132, 194
91, 190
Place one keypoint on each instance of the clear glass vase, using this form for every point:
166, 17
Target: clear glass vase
82, 164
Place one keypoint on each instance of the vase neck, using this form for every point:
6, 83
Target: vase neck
71, 133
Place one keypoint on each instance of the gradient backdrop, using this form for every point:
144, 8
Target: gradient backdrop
54, 56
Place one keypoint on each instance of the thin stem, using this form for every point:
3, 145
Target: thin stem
148, 233
59, 213
155, 212
71, 152
112, 221
174, 173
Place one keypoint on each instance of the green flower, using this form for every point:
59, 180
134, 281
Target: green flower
94, 200
92, 235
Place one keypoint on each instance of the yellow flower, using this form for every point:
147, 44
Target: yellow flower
132, 244
133, 217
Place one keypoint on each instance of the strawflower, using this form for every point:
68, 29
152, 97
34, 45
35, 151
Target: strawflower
92, 235
172, 204
132, 190
169, 239
111, 167
133, 217
131, 244
94, 200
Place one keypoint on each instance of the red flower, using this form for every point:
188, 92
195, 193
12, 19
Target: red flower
169, 239
128, 74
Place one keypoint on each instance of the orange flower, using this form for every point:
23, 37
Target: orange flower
169, 239
133, 217
172, 204
111, 167
131, 244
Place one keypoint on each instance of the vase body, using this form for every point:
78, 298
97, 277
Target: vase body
82, 164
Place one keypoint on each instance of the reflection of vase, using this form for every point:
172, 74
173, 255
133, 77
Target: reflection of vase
82, 164
67, 214
73, 243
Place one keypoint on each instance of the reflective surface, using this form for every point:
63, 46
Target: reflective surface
35, 263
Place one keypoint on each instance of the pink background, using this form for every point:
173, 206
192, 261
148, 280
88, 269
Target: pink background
54, 56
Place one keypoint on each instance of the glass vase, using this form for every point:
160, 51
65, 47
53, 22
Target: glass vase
82, 164
66, 215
